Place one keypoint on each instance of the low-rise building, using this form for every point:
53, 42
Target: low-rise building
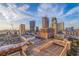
45, 33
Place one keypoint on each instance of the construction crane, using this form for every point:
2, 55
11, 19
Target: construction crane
12, 29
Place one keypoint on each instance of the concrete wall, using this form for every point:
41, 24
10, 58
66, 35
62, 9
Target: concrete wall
64, 44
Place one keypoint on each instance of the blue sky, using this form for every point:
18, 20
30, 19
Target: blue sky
24, 12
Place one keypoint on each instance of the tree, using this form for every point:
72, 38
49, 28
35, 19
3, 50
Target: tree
73, 50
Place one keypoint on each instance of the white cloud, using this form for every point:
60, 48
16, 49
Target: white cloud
71, 18
50, 10
72, 22
74, 11
24, 7
10, 13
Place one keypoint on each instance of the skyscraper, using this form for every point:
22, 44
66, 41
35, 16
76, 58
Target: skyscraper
54, 24
37, 28
22, 29
45, 32
45, 22
61, 26
32, 26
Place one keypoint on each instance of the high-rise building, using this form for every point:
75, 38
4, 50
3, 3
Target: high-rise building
60, 27
32, 26
37, 28
54, 24
22, 29
45, 32
45, 22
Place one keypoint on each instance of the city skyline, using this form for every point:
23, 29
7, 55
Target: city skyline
23, 13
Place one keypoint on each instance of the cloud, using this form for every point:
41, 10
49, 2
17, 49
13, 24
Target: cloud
71, 18
74, 11
73, 23
24, 7
51, 10
10, 13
